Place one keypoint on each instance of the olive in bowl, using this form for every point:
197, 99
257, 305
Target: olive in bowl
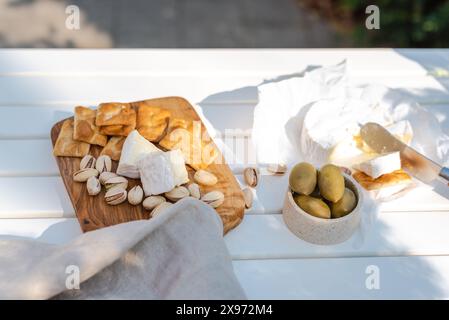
316, 219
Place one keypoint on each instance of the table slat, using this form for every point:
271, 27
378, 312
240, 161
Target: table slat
400, 278
194, 61
27, 90
266, 237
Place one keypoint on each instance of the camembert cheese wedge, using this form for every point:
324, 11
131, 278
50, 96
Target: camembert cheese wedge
162, 171
380, 165
134, 148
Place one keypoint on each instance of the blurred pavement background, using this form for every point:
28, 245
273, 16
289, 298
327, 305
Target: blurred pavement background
223, 23
163, 23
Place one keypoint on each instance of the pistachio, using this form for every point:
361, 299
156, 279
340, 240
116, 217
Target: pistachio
152, 202
104, 163
105, 176
135, 195
116, 182
159, 208
205, 178
214, 198
194, 190
84, 174
251, 176
93, 186
248, 196
115, 196
346, 170
177, 193
278, 169
87, 162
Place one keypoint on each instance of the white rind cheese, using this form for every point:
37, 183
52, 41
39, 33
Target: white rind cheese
330, 122
380, 165
156, 174
178, 166
160, 172
331, 130
134, 148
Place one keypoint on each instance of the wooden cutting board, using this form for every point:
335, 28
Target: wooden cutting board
93, 212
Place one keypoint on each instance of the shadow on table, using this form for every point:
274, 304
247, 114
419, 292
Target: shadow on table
58, 233
436, 63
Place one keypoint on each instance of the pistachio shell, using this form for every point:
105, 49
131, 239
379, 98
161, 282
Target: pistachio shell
152, 202
205, 178
251, 176
160, 208
276, 168
104, 176
115, 196
116, 182
93, 186
194, 190
214, 198
177, 193
248, 196
104, 163
87, 162
84, 174
135, 195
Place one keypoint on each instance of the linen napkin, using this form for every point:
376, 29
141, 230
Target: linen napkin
179, 254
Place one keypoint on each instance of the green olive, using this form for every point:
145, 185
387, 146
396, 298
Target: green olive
313, 206
331, 183
345, 205
302, 178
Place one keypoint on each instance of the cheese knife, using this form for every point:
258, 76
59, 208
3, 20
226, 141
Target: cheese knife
382, 141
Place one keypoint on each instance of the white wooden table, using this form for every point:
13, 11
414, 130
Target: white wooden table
408, 243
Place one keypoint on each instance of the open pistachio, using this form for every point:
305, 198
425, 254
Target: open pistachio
278, 169
84, 174
251, 176
105, 176
104, 163
205, 178
161, 207
115, 196
152, 202
93, 186
135, 195
214, 198
87, 162
194, 190
177, 193
248, 197
116, 182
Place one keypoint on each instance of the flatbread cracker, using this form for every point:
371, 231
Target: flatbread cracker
197, 148
385, 180
118, 130
114, 148
115, 113
85, 129
65, 146
152, 122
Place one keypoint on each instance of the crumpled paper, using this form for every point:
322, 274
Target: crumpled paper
279, 115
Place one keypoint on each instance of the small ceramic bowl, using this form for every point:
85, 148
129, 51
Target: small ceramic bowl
323, 231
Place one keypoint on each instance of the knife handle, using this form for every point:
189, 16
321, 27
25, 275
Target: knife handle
444, 173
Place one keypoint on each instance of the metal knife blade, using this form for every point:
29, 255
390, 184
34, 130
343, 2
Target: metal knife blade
381, 141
